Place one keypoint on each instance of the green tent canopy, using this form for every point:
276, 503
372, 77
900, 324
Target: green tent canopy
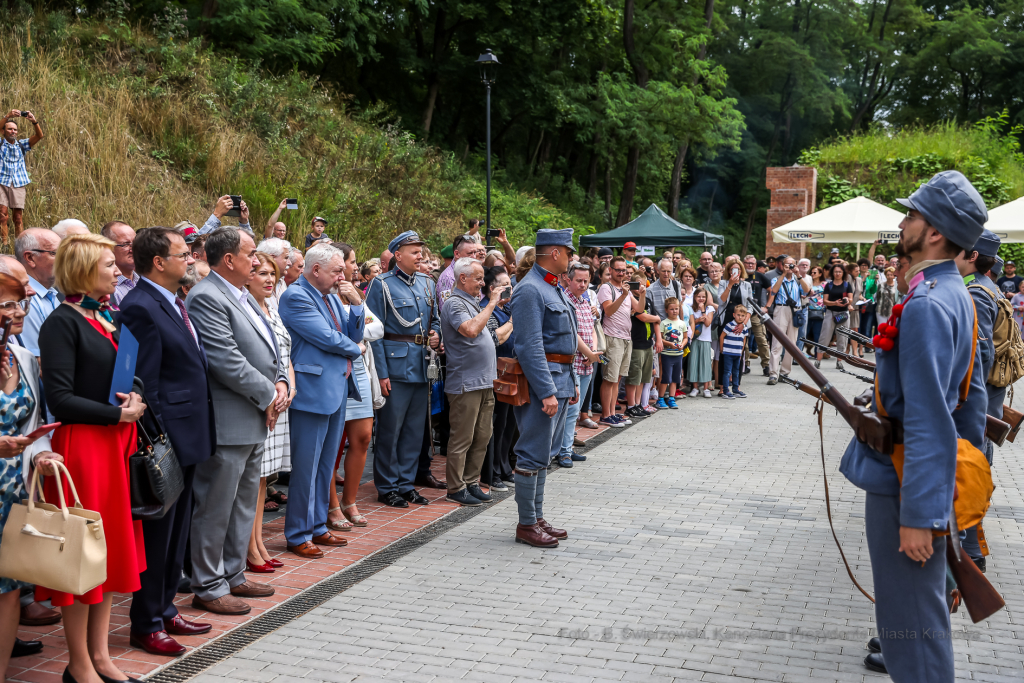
653, 228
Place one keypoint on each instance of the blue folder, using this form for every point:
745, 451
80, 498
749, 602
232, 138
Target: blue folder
124, 369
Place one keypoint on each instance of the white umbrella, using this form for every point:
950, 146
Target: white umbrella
1007, 221
858, 220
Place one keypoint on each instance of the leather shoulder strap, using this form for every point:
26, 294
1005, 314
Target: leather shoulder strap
965, 385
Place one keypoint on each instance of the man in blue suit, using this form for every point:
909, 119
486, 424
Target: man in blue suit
173, 369
323, 349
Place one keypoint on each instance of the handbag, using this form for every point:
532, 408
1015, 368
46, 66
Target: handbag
63, 549
600, 339
511, 386
154, 474
841, 317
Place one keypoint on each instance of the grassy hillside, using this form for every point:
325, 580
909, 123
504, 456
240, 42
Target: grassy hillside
151, 130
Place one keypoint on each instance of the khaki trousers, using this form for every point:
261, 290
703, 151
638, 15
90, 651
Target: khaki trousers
763, 350
471, 424
784, 319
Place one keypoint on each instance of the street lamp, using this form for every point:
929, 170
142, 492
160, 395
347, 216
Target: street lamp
488, 69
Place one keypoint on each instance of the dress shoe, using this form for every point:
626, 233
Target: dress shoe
429, 481
258, 568
307, 551
185, 585
330, 540
980, 562
875, 662
392, 499
578, 442
108, 679
178, 626
478, 493
38, 614
225, 604
158, 643
415, 497
26, 648
552, 531
275, 563
874, 644
251, 589
532, 534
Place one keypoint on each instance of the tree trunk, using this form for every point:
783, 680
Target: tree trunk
629, 185
434, 85
592, 176
209, 9
676, 185
536, 151
750, 225
608, 189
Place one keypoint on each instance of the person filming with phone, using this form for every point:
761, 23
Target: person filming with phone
13, 174
788, 313
838, 300
618, 302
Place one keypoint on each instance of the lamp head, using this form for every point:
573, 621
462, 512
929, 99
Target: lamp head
488, 67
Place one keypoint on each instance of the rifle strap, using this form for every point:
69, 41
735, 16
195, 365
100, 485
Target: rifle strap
828, 503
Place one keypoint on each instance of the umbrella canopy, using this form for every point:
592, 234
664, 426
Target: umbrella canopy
653, 228
855, 220
1007, 221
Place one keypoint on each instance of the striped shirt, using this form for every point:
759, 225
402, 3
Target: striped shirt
734, 341
585, 322
445, 285
12, 163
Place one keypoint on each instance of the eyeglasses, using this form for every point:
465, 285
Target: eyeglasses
122, 245
182, 255
9, 307
620, 270
44, 251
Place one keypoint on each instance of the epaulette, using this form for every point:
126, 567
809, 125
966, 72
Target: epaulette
923, 289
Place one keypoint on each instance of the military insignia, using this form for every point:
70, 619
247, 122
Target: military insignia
551, 279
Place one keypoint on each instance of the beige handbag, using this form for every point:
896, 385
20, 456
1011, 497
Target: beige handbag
62, 549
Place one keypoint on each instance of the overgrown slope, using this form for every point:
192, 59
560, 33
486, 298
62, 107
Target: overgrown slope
151, 131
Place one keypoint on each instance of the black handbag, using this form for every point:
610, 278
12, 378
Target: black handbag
154, 473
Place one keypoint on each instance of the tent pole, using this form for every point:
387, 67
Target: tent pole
858, 251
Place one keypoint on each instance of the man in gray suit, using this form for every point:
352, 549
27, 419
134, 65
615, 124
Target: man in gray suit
249, 389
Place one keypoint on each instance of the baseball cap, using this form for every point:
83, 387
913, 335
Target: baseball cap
629, 245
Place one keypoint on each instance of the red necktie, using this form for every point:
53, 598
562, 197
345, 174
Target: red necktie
184, 316
348, 369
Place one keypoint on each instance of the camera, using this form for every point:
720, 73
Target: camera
24, 114
506, 294
236, 206
291, 203
635, 286
493, 232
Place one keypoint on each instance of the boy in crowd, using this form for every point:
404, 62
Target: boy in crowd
675, 333
732, 341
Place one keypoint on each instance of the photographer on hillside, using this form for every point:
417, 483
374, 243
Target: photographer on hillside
220, 209
13, 174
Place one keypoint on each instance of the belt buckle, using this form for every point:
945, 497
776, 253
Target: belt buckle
418, 339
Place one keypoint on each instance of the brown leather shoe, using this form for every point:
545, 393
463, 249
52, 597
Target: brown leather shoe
552, 531
251, 589
330, 540
225, 604
38, 614
429, 481
532, 534
577, 441
307, 550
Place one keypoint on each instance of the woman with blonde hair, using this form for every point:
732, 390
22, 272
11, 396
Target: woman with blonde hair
277, 451
78, 351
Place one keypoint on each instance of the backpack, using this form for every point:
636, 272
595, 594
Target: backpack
1008, 362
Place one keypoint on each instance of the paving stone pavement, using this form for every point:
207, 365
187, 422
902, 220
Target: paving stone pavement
699, 550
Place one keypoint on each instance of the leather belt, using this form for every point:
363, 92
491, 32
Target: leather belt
560, 358
419, 339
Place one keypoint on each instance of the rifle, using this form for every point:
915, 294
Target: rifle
1014, 418
855, 336
855, 361
881, 434
806, 388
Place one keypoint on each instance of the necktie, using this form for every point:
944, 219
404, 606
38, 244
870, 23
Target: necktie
184, 315
330, 310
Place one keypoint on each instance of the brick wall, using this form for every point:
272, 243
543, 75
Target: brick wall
794, 195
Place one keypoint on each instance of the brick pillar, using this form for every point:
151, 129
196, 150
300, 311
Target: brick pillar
794, 195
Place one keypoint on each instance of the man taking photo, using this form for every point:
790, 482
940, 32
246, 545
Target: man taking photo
13, 174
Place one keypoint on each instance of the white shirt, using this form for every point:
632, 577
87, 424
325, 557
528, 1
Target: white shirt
171, 298
242, 294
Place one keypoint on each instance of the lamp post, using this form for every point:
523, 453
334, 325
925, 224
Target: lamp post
488, 68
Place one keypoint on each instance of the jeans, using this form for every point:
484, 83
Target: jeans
573, 414
732, 371
813, 329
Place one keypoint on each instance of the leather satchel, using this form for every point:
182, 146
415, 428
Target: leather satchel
154, 474
60, 548
511, 386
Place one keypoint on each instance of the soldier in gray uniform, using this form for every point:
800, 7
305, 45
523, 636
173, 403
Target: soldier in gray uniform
546, 339
404, 300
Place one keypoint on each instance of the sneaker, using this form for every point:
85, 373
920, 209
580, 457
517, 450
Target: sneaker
477, 492
817, 363
498, 485
650, 410
746, 371
693, 394
611, 422
564, 461
839, 365
635, 411
595, 407
576, 457
739, 394
707, 393
772, 380
680, 393
765, 372
728, 396
624, 419
672, 404
462, 498
661, 404
509, 483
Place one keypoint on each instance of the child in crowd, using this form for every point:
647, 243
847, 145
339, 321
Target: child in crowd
699, 371
675, 333
732, 342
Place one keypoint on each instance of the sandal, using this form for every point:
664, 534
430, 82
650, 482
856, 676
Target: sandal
339, 525
270, 506
357, 520
276, 496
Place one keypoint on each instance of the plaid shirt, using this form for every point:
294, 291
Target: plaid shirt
445, 285
585, 321
124, 285
12, 164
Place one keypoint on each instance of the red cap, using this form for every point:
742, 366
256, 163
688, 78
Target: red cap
629, 245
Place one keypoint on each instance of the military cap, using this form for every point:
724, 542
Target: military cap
556, 238
997, 269
404, 240
448, 252
987, 244
952, 206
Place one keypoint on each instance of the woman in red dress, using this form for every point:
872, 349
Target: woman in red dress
78, 351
